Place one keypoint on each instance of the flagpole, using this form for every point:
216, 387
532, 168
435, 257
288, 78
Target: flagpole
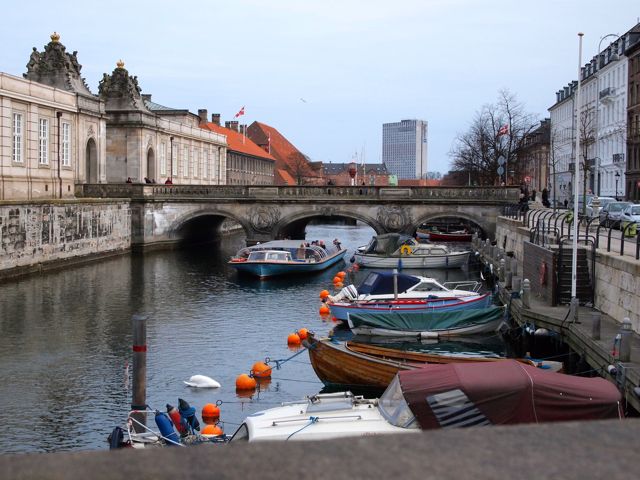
576, 183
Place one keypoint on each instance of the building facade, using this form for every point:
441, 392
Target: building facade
562, 144
372, 174
404, 148
632, 174
247, 163
533, 155
148, 142
52, 128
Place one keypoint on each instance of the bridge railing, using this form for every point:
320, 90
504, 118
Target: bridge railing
266, 192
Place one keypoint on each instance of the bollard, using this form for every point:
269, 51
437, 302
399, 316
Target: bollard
501, 271
139, 375
517, 284
507, 267
508, 280
514, 266
573, 310
595, 325
526, 293
625, 340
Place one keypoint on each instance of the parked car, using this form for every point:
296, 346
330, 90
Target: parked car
611, 212
630, 214
603, 202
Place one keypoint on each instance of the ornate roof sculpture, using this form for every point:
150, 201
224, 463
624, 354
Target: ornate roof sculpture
121, 91
56, 68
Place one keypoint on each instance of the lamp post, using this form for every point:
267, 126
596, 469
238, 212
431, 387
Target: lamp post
599, 65
617, 175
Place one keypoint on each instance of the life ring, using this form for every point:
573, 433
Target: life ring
543, 273
405, 250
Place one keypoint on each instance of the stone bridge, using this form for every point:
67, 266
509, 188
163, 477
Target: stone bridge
166, 214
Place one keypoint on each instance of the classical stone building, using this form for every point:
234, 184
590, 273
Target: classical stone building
533, 155
147, 141
369, 173
52, 128
247, 163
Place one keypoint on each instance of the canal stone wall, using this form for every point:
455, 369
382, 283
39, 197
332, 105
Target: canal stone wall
616, 279
44, 234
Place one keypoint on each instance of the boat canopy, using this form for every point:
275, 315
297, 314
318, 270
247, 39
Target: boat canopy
427, 320
502, 392
298, 249
380, 283
389, 243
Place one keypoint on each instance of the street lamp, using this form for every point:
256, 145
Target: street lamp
617, 175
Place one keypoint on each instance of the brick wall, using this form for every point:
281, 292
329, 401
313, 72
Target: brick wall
539, 268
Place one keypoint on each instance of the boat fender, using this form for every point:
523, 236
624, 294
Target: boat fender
166, 429
189, 414
116, 439
543, 273
179, 422
405, 250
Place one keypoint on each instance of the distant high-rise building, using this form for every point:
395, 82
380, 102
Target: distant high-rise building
404, 148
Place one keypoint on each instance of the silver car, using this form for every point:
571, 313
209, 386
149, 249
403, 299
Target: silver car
611, 212
603, 202
630, 214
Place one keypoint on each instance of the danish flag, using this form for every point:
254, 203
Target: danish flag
240, 113
504, 130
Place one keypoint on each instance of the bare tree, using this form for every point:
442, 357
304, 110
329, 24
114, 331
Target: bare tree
477, 151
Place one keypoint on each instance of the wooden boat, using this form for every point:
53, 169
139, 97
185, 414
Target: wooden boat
283, 257
393, 250
351, 363
386, 292
436, 236
450, 395
431, 324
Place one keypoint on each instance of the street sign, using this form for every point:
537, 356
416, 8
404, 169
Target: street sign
500, 170
501, 160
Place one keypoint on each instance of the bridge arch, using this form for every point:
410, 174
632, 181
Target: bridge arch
480, 223
202, 225
299, 220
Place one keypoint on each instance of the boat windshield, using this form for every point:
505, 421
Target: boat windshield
241, 435
429, 286
394, 407
270, 256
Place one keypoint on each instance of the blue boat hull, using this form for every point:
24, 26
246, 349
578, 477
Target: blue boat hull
341, 312
272, 269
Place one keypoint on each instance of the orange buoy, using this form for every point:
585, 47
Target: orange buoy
338, 285
261, 370
210, 413
324, 310
293, 339
245, 382
294, 348
336, 279
303, 333
324, 294
335, 319
341, 275
211, 431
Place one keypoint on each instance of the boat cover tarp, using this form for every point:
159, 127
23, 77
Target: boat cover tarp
389, 243
380, 283
424, 320
504, 392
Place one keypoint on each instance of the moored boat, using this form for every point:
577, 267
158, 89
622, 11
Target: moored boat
427, 324
436, 236
441, 396
394, 250
352, 363
387, 291
282, 257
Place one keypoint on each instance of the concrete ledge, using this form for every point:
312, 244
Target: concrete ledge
598, 449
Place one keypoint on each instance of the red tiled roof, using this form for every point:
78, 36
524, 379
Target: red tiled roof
283, 177
287, 156
238, 142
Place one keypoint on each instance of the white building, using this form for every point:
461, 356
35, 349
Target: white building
404, 148
562, 115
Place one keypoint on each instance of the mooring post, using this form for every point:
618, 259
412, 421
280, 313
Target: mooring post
526, 293
514, 266
625, 340
595, 325
395, 284
516, 283
139, 376
501, 270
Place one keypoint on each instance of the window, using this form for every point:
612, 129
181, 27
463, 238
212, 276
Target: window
195, 163
43, 142
185, 154
17, 138
174, 161
205, 163
66, 145
163, 159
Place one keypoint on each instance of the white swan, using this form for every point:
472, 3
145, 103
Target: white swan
202, 381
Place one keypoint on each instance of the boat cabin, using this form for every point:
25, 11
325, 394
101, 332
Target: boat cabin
287, 251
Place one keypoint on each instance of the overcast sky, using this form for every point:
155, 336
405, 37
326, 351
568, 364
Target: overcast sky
327, 74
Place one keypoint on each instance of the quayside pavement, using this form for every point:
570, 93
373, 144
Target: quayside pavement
558, 451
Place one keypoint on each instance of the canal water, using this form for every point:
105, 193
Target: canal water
66, 337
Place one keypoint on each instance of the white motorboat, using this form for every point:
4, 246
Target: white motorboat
393, 250
387, 291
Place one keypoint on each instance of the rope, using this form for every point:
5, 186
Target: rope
312, 420
282, 361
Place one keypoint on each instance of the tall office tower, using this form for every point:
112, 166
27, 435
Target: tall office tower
404, 148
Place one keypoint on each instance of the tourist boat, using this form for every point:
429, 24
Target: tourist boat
427, 324
350, 363
393, 291
281, 257
441, 396
436, 236
393, 250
